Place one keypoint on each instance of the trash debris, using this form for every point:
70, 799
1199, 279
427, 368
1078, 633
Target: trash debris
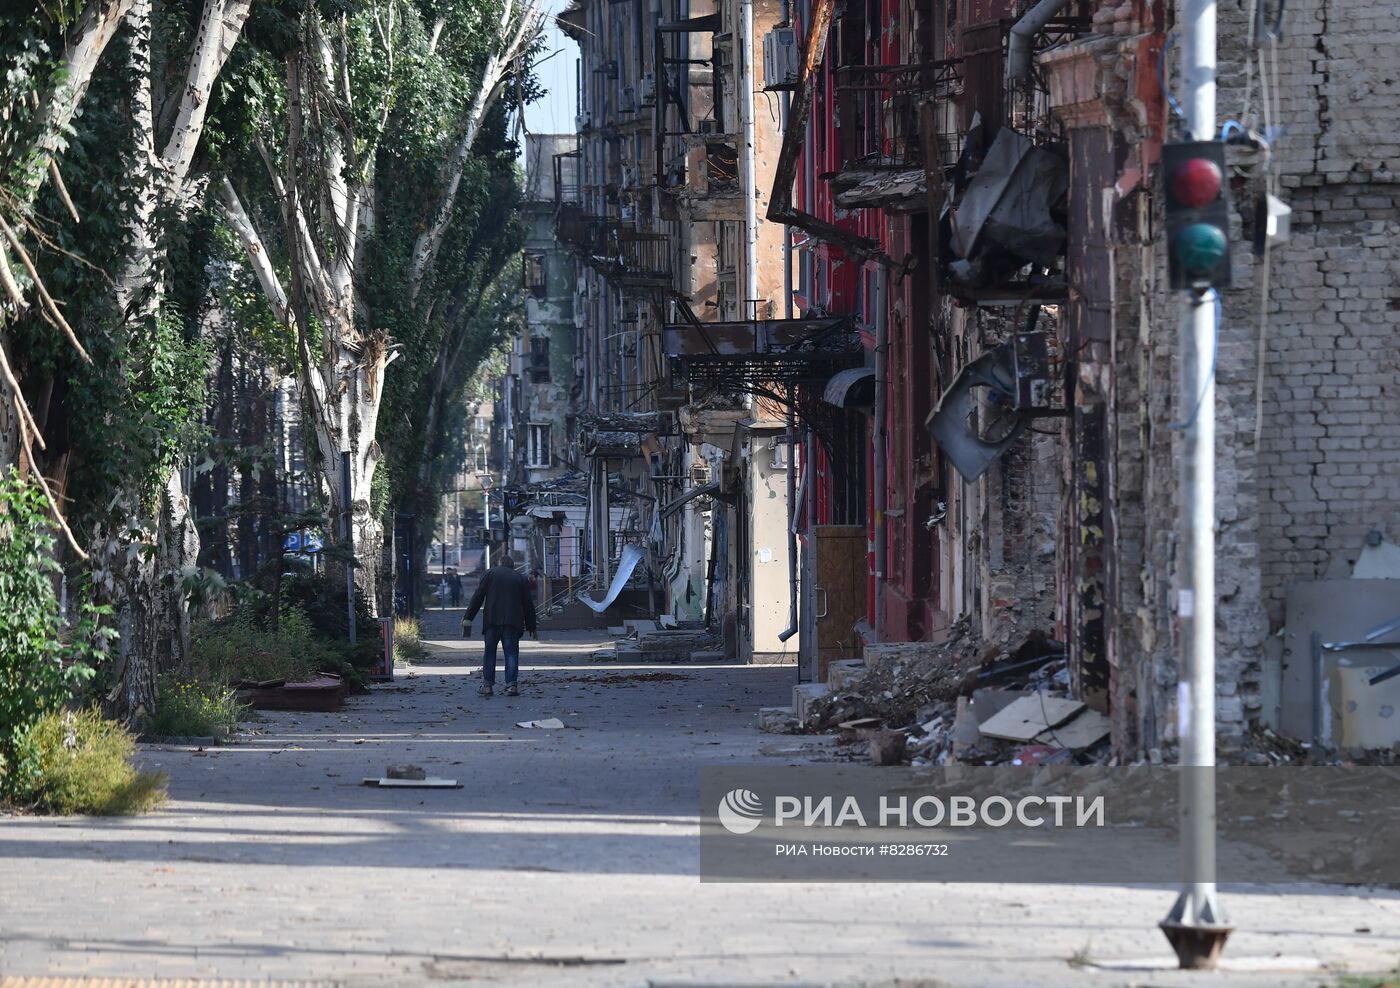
1030, 716
1087, 729
887, 747
424, 783
548, 723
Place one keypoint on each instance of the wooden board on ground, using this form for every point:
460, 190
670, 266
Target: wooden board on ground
429, 783
1085, 731
1029, 716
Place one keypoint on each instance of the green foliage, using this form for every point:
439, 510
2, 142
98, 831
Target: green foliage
408, 640
193, 709
85, 766
244, 649
42, 661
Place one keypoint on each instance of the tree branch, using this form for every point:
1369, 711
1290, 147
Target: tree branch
514, 44
248, 236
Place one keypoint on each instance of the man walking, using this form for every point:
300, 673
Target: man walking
508, 609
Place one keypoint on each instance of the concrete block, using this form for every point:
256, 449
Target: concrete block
804, 695
845, 674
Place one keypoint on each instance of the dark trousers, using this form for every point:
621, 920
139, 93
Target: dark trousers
509, 640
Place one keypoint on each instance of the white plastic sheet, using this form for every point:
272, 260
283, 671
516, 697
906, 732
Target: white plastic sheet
631, 556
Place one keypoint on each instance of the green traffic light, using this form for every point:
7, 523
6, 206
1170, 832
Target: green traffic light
1200, 247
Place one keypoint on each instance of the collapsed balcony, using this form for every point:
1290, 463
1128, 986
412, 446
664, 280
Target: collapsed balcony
704, 181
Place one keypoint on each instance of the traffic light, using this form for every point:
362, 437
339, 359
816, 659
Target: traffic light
1198, 214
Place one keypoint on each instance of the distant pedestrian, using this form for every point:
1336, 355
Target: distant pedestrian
507, 610
454, 585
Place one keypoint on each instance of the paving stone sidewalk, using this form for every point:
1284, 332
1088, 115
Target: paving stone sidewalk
569, 857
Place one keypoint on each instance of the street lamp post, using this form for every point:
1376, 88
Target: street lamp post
486, 512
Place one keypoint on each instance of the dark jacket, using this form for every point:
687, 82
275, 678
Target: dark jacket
504, 595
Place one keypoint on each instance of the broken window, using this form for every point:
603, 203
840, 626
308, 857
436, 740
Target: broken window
536, 282
539, 359
537, 452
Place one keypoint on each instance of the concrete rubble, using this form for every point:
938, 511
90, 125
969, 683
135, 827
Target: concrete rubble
645, 642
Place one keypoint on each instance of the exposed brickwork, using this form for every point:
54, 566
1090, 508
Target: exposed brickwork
1329, 454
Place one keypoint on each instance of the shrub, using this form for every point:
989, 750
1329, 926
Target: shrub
85, 767
193, 710
42, 661
242, 648
408, 640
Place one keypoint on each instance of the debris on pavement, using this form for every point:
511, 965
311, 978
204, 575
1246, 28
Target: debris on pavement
429, 782
548, 723
415, 772
1029, 716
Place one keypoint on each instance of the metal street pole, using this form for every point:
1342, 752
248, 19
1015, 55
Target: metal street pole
1196, 926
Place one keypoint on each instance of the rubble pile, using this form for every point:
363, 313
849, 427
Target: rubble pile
644, 642
965, 699
1263, 746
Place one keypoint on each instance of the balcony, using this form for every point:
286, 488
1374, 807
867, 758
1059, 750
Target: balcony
705, 180
643, 260
757, 351
580, 231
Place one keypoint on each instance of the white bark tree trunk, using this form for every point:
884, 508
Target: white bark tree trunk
147, 585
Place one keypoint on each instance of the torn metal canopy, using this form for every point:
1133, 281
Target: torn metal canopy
631, 556
1016, 376
1006, 208
852, 388
711, 489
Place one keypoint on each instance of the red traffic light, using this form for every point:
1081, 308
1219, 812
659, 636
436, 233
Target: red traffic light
1196, 182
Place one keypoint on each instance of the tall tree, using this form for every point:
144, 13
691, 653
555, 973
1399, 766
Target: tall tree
149, 546
357, 88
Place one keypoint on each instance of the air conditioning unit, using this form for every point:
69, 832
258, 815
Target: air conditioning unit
780, 59
583, 121
631, 175
648, 90
629, 213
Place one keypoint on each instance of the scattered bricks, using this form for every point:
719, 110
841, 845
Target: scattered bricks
888, 747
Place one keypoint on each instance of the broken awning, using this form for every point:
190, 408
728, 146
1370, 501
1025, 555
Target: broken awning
631, 556
710, 489
852, 388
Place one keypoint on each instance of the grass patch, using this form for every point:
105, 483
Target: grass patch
85, 767
408, 641
1391, 980
193, 710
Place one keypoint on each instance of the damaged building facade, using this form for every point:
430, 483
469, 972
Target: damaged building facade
924, 335
684, 478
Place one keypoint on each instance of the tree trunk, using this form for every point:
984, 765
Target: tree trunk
148, 571
346, 424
